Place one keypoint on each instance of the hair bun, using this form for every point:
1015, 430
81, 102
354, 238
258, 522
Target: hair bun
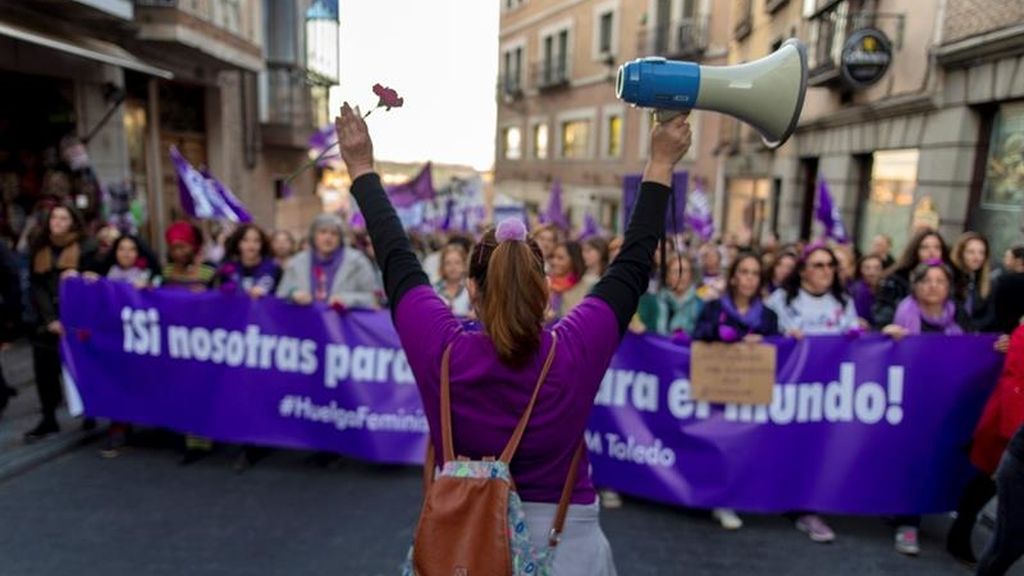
510, 229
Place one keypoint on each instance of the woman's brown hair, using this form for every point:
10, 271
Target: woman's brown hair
232, 246
512, 295
984, 279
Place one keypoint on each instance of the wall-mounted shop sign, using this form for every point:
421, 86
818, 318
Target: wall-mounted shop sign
865, 58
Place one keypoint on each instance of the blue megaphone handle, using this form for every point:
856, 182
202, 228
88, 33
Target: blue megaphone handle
659, 83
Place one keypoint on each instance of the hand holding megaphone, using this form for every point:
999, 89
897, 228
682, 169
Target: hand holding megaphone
669, 143
767, 93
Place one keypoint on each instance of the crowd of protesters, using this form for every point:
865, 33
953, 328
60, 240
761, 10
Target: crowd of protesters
718, 291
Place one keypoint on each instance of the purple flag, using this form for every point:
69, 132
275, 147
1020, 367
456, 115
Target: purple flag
203, 196
590, 227
699, 217
631, 187
554, 213
828, 214
323, 145
418, 189
356, 220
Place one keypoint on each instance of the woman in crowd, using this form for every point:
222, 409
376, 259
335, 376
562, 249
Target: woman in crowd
452, 286
930, 309
738, 316
595, 259
864, 288
973, 280
547, 238
1007, 305
60, 249
780, 269
185, 271
282, 246
812, 301
128, 260
10, 313
329, 272
248, 267
927, 244
565, 278
711, 284
675, 307
495, 372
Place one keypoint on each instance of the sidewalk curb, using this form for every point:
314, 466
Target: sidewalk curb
44, 451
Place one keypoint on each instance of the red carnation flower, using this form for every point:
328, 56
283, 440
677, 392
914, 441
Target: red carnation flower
388, 97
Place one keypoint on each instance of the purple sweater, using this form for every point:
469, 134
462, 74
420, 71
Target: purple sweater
488, 397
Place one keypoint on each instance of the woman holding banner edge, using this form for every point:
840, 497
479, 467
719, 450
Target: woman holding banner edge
495, 370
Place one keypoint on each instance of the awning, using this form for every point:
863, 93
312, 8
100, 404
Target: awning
84, 47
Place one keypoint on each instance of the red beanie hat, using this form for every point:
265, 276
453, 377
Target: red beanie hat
182, 231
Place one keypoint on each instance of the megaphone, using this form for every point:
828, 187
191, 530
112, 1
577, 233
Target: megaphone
767, 93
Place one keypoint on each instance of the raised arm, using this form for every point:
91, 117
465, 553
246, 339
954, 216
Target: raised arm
398, 263
628, 276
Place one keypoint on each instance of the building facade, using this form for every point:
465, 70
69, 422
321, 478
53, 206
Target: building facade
930, 138
558, 117
233, 84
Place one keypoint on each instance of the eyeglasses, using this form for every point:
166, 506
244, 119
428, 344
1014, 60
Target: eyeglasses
822, 265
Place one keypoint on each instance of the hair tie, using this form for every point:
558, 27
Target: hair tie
510, 229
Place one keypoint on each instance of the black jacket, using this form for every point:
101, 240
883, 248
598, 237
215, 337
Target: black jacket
45, 286
891, 291
712, 315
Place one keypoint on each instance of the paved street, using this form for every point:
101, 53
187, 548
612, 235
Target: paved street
143, 514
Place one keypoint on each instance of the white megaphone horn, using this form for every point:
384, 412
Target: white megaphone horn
768, 93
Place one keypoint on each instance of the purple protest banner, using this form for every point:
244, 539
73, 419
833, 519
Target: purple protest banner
860, 425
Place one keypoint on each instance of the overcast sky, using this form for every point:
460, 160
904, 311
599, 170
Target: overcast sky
442, 57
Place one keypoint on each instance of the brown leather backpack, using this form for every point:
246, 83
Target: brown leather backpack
464, 526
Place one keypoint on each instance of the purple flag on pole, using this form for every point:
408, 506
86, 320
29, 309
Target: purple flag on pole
321, 141
828, 214
554, 213
203, 196
416, 190
699, 217
590, 227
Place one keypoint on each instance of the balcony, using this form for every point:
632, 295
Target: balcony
288, 106
220, 33
685, 39
550, 75
832, 26
510, 88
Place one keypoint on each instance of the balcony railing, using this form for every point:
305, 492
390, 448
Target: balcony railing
550, 75
510, 87
683, 39
288, 99
234, 16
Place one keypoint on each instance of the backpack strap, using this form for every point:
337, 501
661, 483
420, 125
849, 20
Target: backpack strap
447, 444
517, 435
563, 503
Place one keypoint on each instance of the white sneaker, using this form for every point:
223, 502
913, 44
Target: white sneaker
727, 518
906, 541
610, 499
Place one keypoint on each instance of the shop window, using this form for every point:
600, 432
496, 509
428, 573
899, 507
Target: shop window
889, 207
1000, 212
512, 140
575, 136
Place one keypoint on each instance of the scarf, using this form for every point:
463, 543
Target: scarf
69, 254
750, 321
235, 275
560, 284
322, 272
909, 315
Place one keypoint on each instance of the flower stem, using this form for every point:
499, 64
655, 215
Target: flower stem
312, 162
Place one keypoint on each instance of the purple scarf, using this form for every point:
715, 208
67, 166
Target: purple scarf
323, 271
751, 320
235, 276
909, 316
